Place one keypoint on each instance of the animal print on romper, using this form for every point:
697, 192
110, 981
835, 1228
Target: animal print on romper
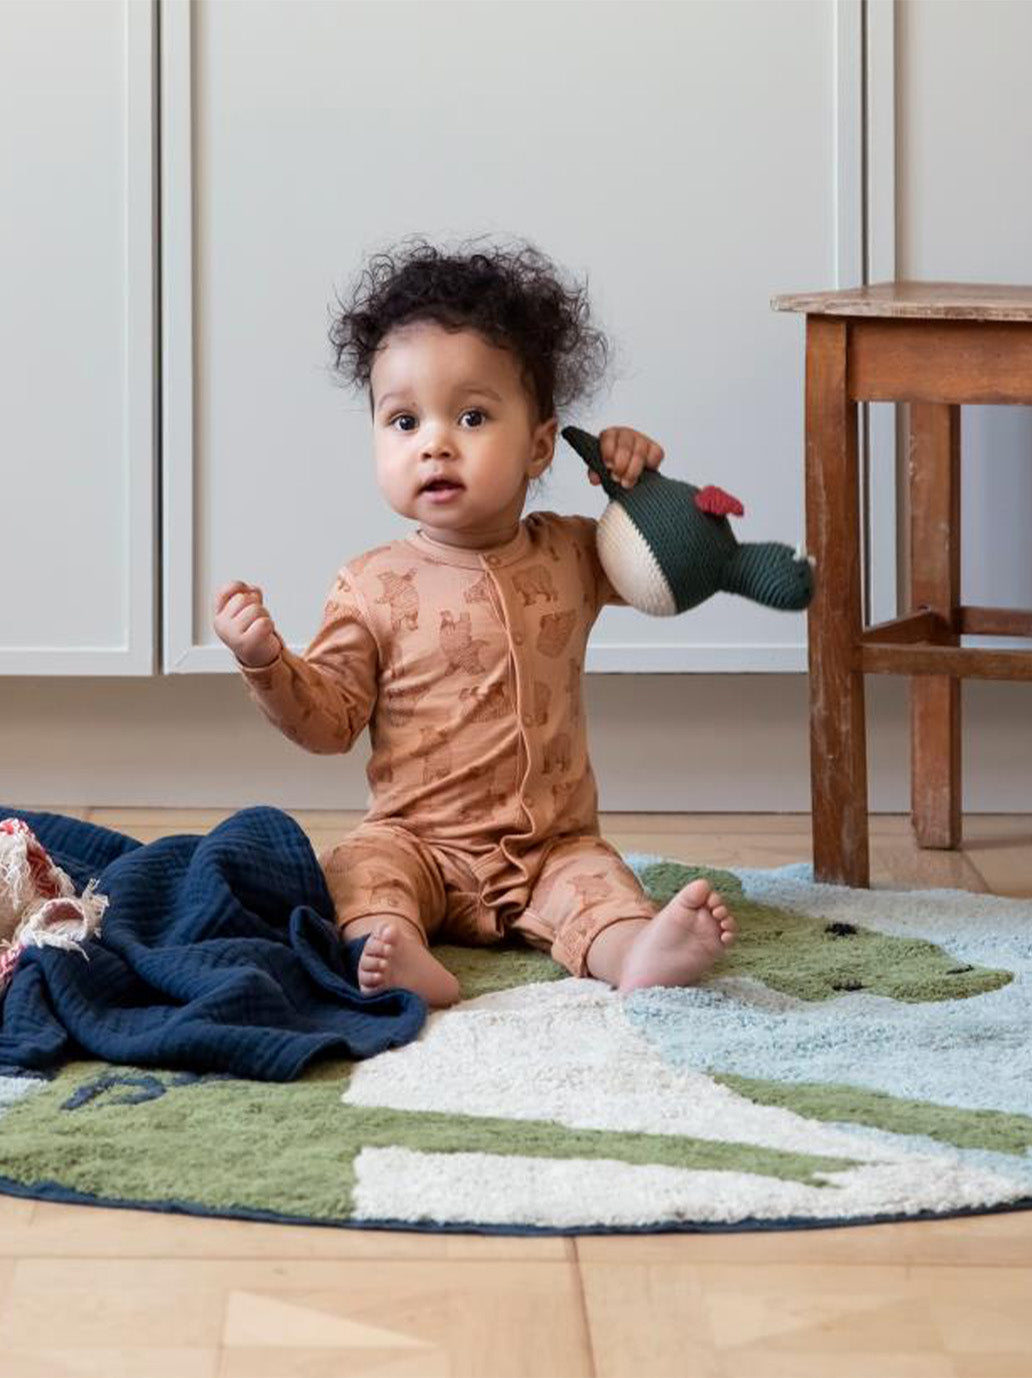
584, 574
546, 887
384, 890
337, 602
400, 593
542, 695
398, 705
434, 746
505, 780
457, 644
335, 605
562, 793
533, 583
481, 799
470, 810
491, 703
573, 688
556, 628
557, 754
479, 591
592, 888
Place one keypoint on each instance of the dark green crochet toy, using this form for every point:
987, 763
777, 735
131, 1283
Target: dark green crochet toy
667, 546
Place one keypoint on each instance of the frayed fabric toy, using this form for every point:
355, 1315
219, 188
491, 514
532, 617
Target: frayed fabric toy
667, 546
38, 905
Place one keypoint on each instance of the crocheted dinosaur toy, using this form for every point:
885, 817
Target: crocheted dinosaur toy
668, 546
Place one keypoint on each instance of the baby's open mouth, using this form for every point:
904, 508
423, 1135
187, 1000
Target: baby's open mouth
435, 485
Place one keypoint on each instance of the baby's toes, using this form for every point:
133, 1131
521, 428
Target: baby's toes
380, 942
696, 893
369, 975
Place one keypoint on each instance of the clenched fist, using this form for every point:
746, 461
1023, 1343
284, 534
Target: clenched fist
243, 623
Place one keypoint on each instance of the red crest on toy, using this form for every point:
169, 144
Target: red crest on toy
717, 503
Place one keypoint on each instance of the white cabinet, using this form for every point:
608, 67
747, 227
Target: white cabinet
78, 443
690, 159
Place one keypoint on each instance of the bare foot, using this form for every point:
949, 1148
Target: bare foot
389, 960
681, 943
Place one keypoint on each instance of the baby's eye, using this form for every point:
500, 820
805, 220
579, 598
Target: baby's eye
402, 416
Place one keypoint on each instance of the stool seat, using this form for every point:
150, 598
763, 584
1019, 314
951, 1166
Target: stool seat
983, 301
936, 346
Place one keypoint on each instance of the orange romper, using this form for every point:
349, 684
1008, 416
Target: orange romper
466, 665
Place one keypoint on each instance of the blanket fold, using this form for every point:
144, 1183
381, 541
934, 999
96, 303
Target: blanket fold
217, 953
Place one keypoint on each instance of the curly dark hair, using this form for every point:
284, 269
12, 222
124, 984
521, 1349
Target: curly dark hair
513, 297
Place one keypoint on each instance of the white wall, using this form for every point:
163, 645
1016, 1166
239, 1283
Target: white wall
964, 212
696, 742
658, 742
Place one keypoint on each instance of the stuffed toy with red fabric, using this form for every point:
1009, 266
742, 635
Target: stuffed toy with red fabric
667, 546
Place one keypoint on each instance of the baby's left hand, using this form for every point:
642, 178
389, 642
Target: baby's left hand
625, 452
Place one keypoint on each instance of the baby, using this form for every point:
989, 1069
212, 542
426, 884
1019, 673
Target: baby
462, 644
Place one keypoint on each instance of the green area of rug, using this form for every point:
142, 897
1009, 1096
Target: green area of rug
808, 958
993, 1130
289, 1148
814, 960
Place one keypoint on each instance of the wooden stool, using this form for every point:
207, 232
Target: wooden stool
935, 345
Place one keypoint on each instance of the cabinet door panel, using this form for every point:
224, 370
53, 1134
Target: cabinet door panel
77, 416
687, 158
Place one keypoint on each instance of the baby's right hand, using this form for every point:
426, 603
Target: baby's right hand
243, 623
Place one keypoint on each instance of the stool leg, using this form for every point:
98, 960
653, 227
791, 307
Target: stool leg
838, 748
935, 743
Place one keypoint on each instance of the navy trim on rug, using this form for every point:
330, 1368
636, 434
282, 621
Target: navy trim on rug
52, 1191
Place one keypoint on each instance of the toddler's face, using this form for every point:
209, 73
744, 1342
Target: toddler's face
447, 404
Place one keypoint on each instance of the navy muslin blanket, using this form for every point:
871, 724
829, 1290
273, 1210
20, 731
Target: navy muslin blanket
216, 953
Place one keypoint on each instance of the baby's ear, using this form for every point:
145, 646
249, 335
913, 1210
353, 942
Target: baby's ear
546, 436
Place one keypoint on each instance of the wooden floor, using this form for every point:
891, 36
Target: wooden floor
135, 1294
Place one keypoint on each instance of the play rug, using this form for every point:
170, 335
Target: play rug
858, 1056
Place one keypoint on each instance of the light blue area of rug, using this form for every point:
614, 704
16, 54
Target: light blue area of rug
975, 1053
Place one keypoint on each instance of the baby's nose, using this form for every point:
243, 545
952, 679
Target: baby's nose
437, 443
